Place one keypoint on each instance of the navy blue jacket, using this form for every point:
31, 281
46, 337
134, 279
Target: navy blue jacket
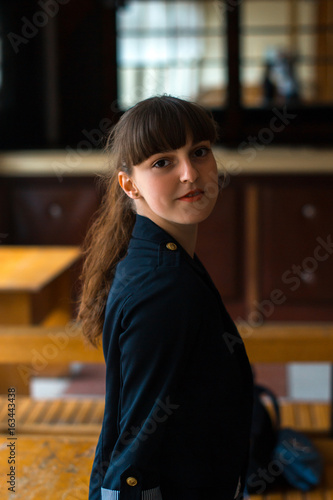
178, 382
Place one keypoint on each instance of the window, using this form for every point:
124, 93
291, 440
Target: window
171, 47
286, 52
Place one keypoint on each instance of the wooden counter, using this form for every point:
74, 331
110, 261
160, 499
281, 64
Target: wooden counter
34, 282
246, 160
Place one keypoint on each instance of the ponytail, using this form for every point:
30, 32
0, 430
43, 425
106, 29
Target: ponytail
105, 245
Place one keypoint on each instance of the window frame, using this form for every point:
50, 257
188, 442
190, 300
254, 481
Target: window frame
298, 125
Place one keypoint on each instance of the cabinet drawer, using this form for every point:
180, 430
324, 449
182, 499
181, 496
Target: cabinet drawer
47, 212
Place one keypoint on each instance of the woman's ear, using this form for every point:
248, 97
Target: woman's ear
127, 184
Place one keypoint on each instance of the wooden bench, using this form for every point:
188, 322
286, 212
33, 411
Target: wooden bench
270, 343
78, 416
34, 347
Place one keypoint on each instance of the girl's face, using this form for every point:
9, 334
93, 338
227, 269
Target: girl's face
175, 187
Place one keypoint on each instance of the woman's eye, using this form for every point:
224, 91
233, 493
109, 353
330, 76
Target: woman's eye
199, 153
161, 163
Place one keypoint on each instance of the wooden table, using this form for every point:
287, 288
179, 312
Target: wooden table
47, 467
34, 282
35, 289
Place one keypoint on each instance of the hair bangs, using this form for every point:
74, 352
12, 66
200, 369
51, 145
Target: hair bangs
164, 123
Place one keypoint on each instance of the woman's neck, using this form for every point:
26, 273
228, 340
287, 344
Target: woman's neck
186, 235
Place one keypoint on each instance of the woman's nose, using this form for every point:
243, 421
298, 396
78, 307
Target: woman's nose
188, 172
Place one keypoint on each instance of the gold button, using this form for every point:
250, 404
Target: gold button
131, 481
171, 246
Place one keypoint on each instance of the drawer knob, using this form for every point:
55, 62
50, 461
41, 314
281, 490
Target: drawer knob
309, 278
309, 211
55, 210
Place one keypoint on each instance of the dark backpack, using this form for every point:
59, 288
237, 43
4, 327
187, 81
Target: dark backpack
264, 435
278, 457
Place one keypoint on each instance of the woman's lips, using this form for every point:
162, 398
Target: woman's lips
192, 196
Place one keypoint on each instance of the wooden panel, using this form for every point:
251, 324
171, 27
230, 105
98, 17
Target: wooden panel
47, 211
15, 308
297, 248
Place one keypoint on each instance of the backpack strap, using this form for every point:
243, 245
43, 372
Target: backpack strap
261, 390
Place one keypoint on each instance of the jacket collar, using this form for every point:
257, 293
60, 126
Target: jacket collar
146, 229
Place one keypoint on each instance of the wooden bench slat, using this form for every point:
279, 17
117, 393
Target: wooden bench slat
22, 409
57, 413
83, 412
53, 411
68, 411
35, 411
97, 415
287, 415
302, 414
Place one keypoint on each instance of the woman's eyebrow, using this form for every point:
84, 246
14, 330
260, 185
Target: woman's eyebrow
199, 142
193, 144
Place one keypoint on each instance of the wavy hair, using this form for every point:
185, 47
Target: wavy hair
154, 125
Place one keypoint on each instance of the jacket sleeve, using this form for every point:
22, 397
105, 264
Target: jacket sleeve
158, 328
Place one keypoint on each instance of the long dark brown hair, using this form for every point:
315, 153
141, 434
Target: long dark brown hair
154, 125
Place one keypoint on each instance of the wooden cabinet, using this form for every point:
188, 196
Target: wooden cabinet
47, 212
269, 248
296, 231
267, 245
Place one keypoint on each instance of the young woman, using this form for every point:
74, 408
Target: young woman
178, 382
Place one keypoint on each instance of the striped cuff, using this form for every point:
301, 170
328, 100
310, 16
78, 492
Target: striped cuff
154, 494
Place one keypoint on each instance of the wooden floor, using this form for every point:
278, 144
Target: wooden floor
49, 467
